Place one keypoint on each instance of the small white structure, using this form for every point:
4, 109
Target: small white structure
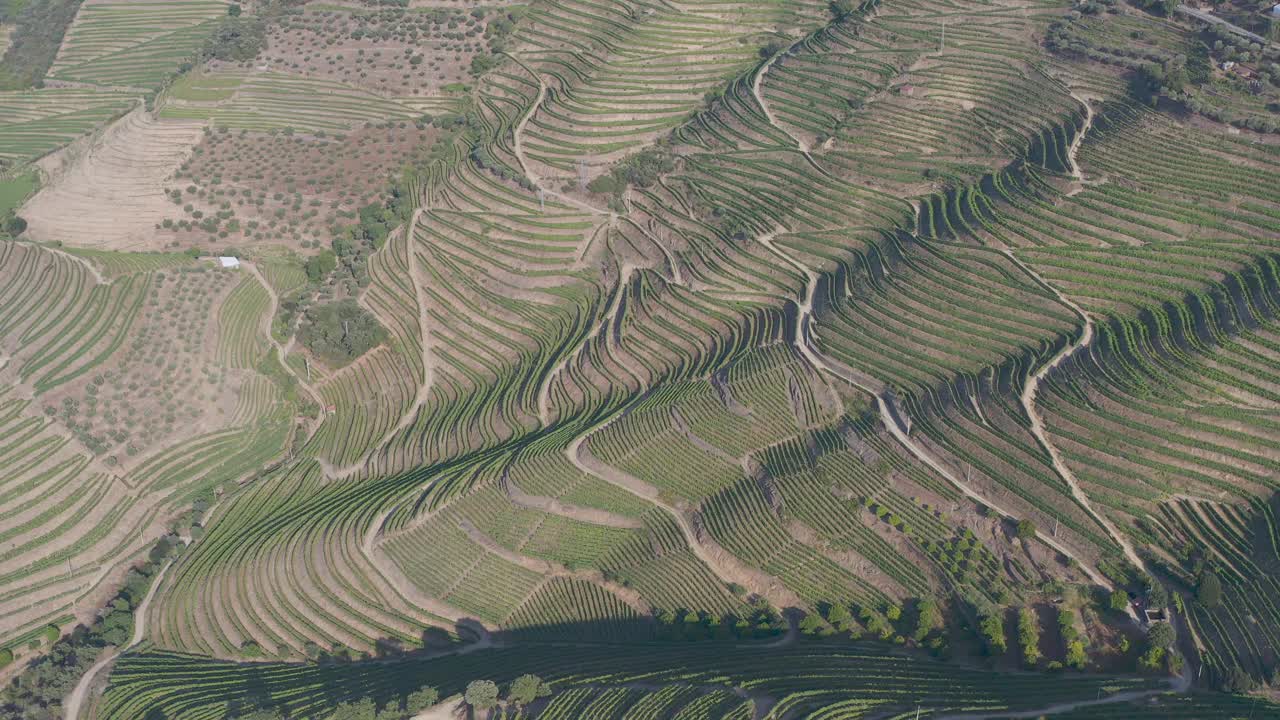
1228, 65
1275, 10
229, 262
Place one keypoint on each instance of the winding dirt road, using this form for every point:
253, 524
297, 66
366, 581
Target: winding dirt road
517, 137
281, 349
625, 270
773, 120
71, 706
1179, 684
727, 567
1028, 399
890, 415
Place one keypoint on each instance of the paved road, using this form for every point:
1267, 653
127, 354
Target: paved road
1215, 20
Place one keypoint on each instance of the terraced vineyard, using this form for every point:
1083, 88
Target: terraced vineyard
38, 122
133, 44
703, 358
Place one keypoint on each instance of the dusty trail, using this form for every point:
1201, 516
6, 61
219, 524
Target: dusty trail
281, 349
550, 569
1074, 150
71, 706
450, 708
517, 136
890, 415
1179, 684
1028, 399
93, 269
801, 145
553, 506
1032, 387
676, 277
725, 566
625, 271
410, 414
773, 120
424, 331
407, 590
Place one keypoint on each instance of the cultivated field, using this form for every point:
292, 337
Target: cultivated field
707, 359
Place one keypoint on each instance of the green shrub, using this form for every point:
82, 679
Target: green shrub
236, 39
34, 42
421, 699
482, 694
319, 266
340, 332
1209, 590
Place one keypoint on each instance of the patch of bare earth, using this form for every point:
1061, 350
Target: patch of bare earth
105, 191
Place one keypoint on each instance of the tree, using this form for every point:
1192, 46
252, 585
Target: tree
1029, 636
928, 617
421, 699
14, 225
359, 710
876, 623
1026, 529
1160, 635
810, 624
481, 694
773, 47
525, 689
1076, 656
1152, 659
1157, 595
340, 332
481, 64
840, 617
236, 38
319, 266
992, 628
1209, 591
6, 656
1118, 601
842, 9
1236, 680
234, 10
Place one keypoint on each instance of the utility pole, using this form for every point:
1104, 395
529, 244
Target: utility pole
582, 174
942, 43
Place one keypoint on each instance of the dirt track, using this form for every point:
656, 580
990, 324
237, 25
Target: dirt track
725, 566
891, 416
71, 706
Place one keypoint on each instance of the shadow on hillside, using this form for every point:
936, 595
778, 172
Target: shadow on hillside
632, 655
